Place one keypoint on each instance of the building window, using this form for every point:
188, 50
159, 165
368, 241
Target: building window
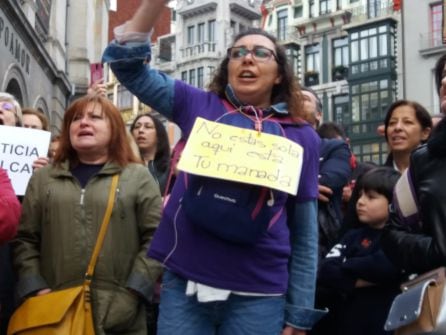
436, 24
200, 77
241, 27
312, 58
293, 58
312, 9
370, 50
113, 5
282, 23
338, 4
211, 35
312, 65
341, 112
192, 77
210, 74
340, 58
200, 33
191, 35
375, 151
373, 8
298, 12
270, 20
184, 76
125, 98
211, 30
324, 7
340, 51
43, 17
233, 26
370, 100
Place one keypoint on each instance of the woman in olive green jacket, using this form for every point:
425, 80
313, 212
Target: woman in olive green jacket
63, 210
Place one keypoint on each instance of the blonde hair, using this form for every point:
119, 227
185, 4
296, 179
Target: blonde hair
18, 110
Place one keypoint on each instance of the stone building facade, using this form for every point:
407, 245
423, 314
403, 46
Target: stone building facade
47, 48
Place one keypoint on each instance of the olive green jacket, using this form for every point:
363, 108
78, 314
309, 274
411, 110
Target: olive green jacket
58, 231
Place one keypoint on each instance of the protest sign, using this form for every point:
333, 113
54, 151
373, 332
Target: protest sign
19, 148
231, 153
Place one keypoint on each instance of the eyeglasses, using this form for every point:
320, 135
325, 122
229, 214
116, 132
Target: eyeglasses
7, 106
260, 54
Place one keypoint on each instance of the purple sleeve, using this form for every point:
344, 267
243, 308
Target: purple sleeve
191, 102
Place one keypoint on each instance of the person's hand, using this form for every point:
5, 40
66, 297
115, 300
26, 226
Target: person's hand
325, 193
288, 330
363, 283
380, 130
40, 162
43, 291
98, 87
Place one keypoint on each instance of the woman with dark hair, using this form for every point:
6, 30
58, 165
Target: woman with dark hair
285, 90
212, 284
153, 144
407, 125
63, 209
415, 237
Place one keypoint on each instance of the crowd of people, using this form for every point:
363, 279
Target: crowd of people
327, 259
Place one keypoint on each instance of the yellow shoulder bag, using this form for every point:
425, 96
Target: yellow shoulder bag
68, 311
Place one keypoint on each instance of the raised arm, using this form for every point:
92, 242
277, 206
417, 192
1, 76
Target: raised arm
145, 16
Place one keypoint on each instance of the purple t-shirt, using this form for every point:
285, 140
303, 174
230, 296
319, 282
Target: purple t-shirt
197, 255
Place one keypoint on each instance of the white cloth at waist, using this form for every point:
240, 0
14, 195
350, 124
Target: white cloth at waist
207, 293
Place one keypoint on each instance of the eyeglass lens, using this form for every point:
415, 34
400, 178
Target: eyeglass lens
7, 106
260, 53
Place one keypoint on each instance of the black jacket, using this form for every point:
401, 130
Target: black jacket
353, 311
334, 172
419, 248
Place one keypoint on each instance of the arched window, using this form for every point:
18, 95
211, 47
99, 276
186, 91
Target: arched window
13, 88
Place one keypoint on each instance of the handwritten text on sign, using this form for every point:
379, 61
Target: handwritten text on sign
19, 148
226, 152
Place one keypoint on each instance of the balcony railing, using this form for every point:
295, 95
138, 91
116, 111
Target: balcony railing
373, 10
431, 40
284, 35
198, 49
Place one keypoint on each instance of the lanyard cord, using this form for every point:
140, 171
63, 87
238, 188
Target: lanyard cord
257, 120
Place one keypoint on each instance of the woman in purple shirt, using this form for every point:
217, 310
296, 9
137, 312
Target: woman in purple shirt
212, 285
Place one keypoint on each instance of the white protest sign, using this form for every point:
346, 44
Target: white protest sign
227, 152
19, 148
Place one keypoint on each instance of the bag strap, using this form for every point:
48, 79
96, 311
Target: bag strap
102, 230
175, 157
